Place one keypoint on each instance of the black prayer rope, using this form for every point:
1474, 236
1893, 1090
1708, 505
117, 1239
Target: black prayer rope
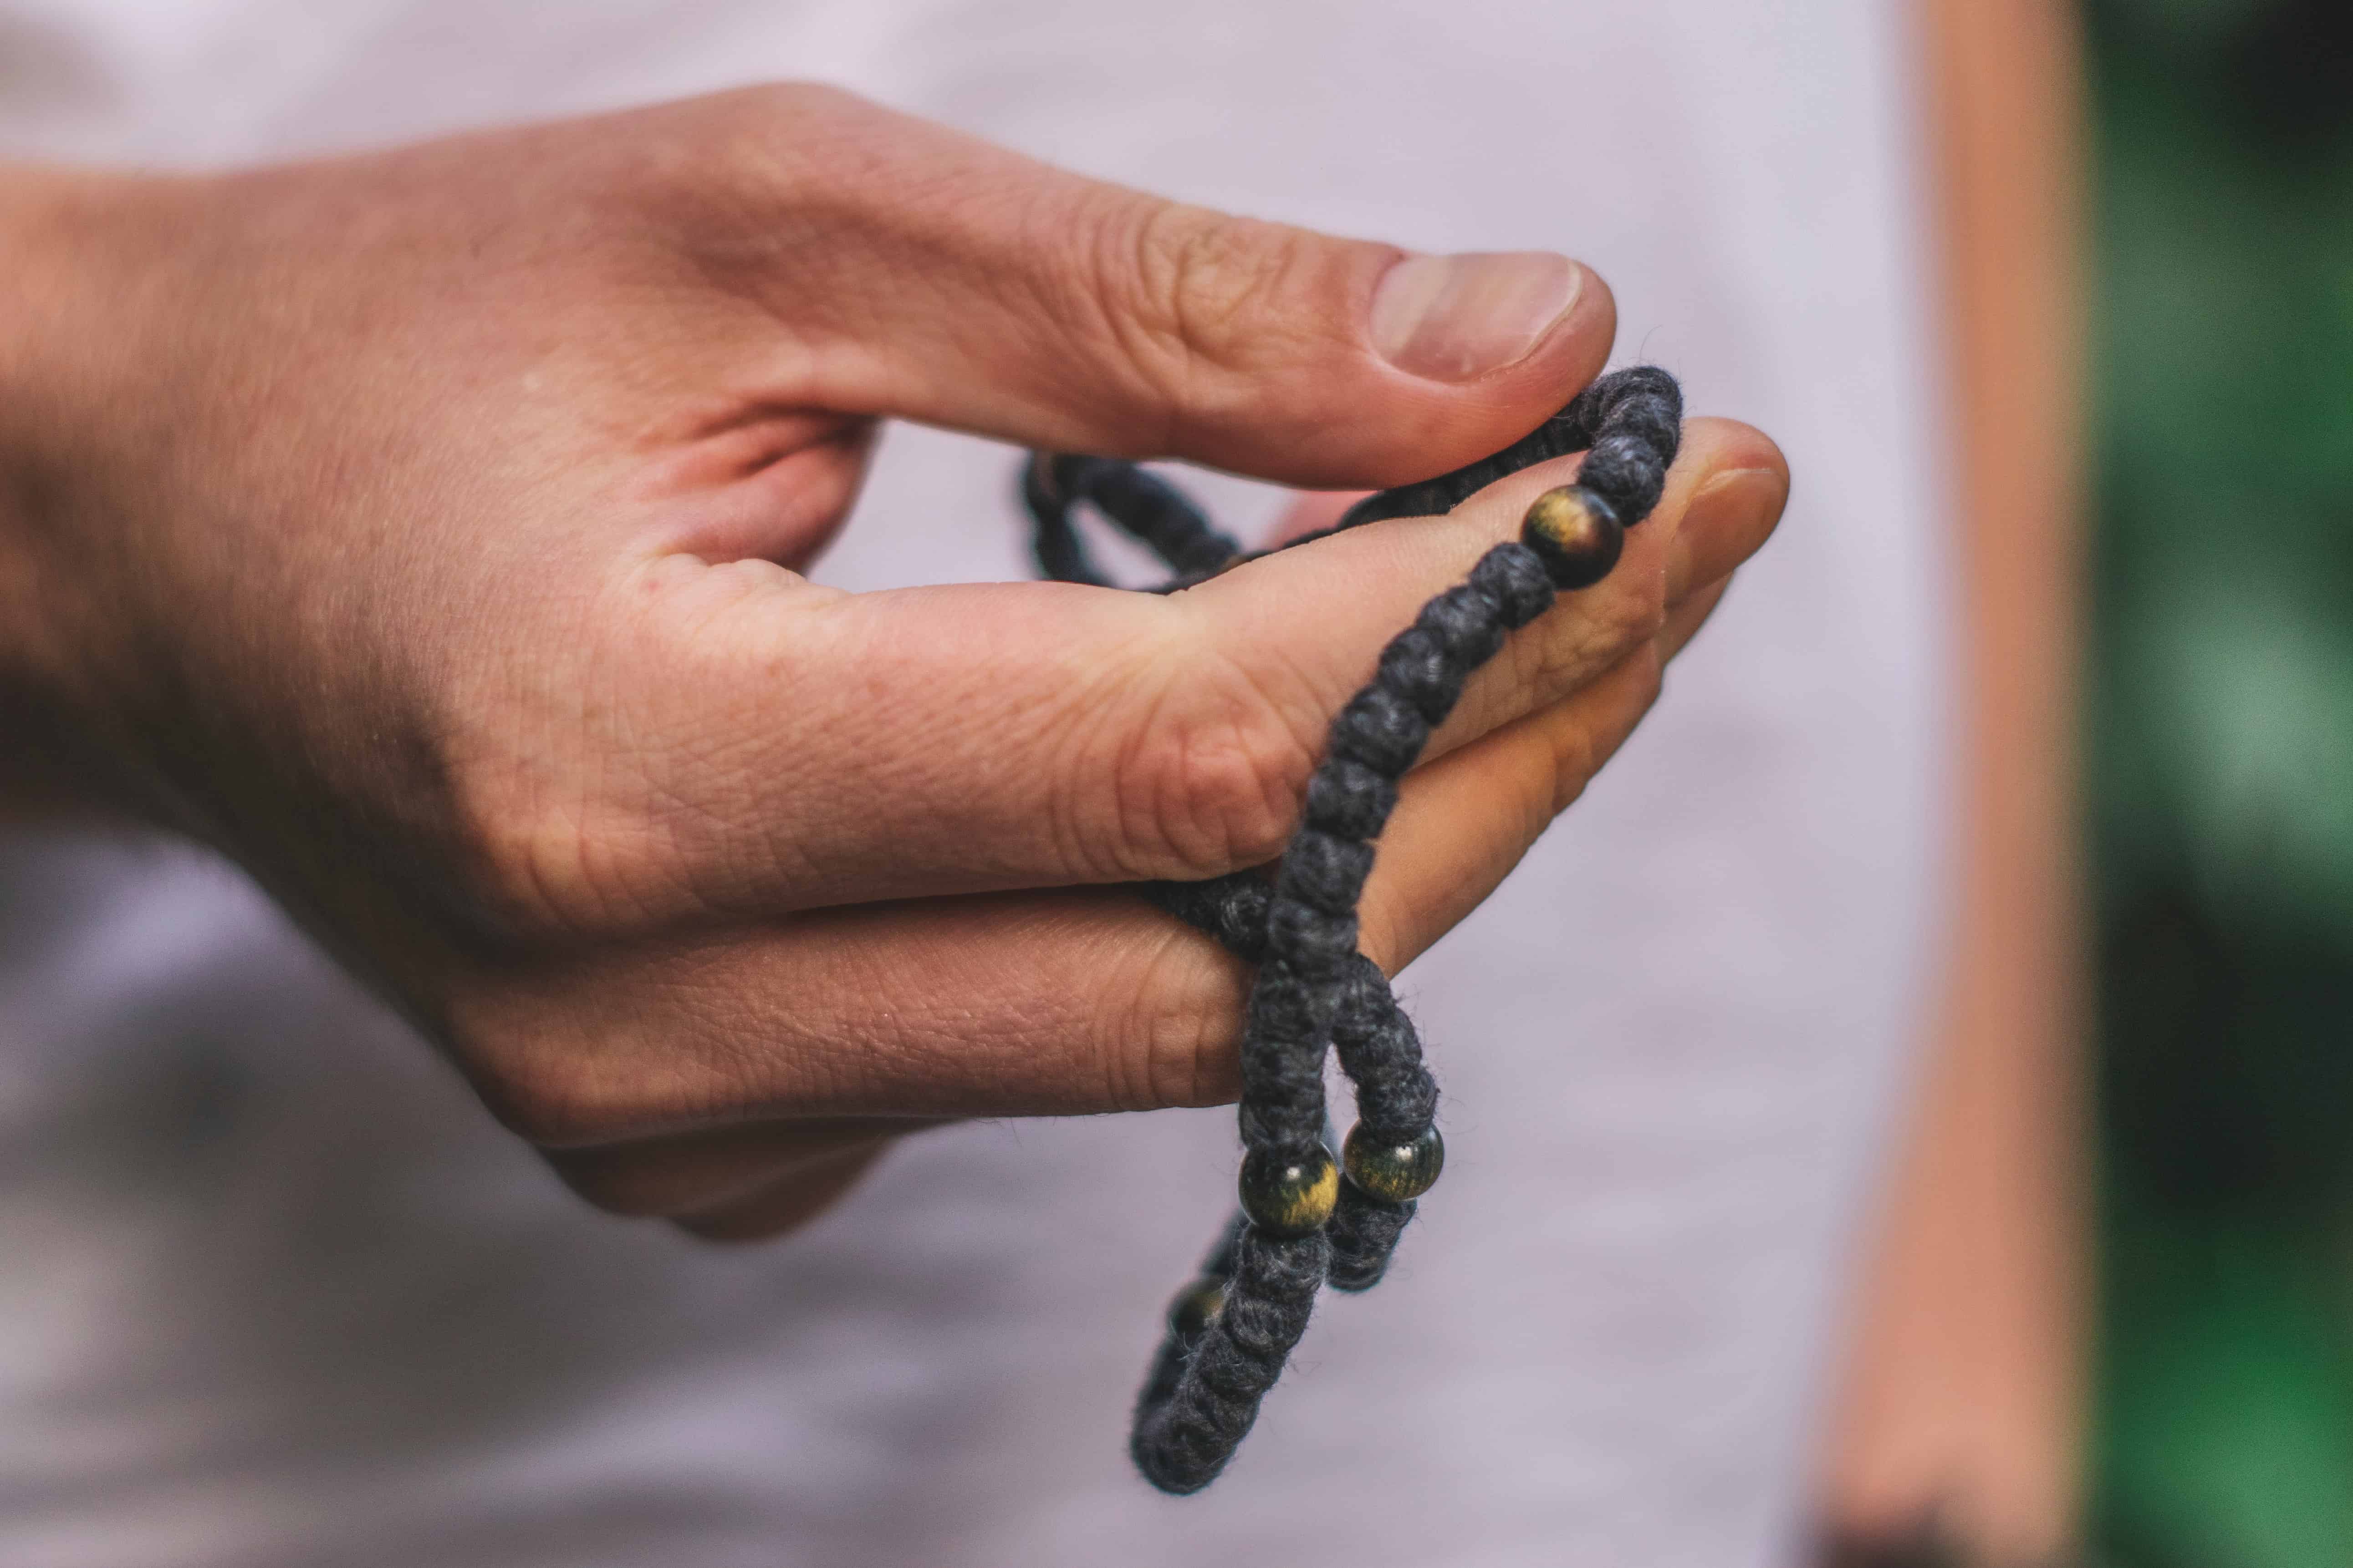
1306, 1220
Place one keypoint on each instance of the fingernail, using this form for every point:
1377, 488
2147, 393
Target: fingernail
1738, 503
1451, 318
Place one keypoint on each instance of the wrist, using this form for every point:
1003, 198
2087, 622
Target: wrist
61, 250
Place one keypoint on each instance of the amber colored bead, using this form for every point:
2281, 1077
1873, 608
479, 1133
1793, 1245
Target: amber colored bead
1396, 1171
1290, 1197
1575, 533
1197, 1307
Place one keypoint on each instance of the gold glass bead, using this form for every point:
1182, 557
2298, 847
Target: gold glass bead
1197, 1307
1290, 1197
1396, 1171
1574, 534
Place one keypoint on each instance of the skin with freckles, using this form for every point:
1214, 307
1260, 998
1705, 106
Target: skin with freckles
426, 529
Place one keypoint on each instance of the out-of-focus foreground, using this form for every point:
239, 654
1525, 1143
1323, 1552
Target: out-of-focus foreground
2221, 771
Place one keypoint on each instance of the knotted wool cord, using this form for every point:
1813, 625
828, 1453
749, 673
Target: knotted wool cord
1300, 1225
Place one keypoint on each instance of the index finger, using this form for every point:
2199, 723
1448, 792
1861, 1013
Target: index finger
771, 745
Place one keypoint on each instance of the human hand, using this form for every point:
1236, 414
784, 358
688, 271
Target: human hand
423, 528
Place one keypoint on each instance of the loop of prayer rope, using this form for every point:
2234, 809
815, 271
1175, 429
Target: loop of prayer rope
1306, 1218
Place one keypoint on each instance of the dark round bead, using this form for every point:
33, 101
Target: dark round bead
1575, 533
1396, 1171
1196, 1307
1290, 1197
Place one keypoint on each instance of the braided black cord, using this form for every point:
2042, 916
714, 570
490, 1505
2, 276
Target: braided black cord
1230, 1332
1621, 422
1156, 512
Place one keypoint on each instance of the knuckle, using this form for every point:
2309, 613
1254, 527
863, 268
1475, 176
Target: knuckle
1629, 617
784, 111
620, 1182
550, 1099
1651, 681
1190, 294
787, 1205
748, 178
808, 98
547, 1081
1576, 759
1211, 782
1626, 617
1175, 1027
1587, 739
539, 863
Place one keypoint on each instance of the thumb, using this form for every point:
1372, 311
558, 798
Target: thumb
938, 278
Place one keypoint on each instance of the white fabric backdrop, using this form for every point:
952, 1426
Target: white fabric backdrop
274, 1291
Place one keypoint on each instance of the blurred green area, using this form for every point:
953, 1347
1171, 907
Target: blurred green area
2220, 779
